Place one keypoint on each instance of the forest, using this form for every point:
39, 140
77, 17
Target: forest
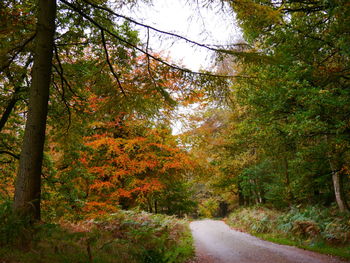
91, 169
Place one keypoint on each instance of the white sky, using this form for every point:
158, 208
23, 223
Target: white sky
208, 25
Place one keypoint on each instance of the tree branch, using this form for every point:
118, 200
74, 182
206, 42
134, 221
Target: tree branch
18, 88
175, 67
148, 27
63, 98
20, 48
109, 62
16, 156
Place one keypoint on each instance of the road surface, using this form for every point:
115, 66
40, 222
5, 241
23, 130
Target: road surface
216, 243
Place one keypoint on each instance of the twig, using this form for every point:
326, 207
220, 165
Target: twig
185, 70
20, 48
63, 98
148, 27
10, 153
109, 62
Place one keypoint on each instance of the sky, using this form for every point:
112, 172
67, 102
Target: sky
208, 25
214, 25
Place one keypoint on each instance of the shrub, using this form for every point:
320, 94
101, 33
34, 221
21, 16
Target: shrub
308, 223
125, 236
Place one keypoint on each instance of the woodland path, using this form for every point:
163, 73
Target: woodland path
216, 242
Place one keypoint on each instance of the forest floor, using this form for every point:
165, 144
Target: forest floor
216, 242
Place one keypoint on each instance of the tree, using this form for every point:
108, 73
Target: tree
28, 183
297, 99
81, 26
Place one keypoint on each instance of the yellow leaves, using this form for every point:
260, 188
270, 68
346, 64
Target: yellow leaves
255, 18
251, 9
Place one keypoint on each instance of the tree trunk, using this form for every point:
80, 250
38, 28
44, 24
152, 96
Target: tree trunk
155, 206
28, 182
338, 191
290, 196
10, 106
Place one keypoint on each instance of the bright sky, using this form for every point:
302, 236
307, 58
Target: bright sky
214, 25
208, 25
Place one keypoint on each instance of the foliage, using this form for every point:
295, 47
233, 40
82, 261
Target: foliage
282, 136
122, 237
309, 224
12, 227
315, 228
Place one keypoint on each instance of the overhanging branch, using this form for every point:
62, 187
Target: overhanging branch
122, 40
109, 62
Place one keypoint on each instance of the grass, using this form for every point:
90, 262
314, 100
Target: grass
320, 247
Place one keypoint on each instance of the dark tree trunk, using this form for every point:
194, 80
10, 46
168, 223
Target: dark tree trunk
7, 111
241, 201
155, 206
28, 183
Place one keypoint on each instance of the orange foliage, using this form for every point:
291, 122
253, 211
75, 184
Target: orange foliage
131, 168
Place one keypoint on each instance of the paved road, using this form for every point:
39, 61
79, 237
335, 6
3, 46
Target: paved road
216, 243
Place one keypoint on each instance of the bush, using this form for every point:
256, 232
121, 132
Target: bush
122, 237
12, 227
309, 223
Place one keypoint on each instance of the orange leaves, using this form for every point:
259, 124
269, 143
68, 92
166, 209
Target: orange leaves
130, 168
141, 187
101, 186
95, 208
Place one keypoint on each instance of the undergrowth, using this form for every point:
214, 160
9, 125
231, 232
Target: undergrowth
125, 236
320, 229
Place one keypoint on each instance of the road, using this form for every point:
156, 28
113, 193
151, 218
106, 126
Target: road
216, 242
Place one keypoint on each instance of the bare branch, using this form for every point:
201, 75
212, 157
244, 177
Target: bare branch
18, 88
63, 98
61, 73
109, 62
16, 156
148, 62
19, 50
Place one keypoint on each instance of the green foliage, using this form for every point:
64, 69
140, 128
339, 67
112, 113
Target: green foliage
324, 230
122, 237
285, 129
208, 208
12, 226
308, 225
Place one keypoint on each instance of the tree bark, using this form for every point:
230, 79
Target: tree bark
28, 182
338, 191
290, 195
10, 106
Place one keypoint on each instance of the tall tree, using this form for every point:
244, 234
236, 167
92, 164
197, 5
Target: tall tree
28, 183
83, 26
